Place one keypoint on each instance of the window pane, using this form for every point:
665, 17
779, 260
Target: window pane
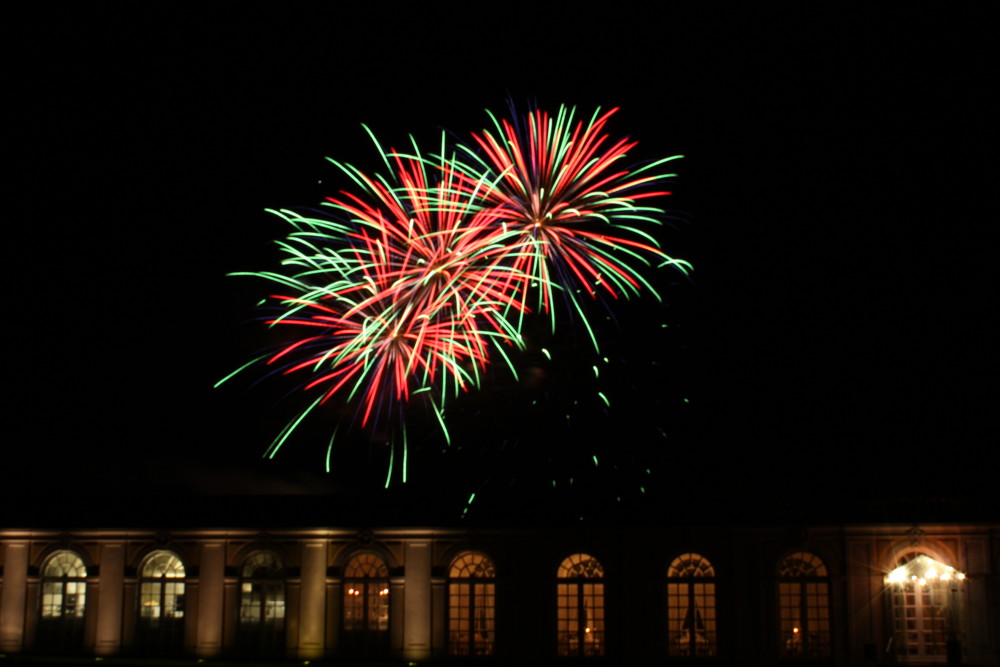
366, 595
803, 606
580, 606
691, 606
471, 605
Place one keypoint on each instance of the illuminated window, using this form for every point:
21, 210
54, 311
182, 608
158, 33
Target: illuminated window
366, 605
64, 596
580, 606
691, 606
161, 601
262, 604
803, 606
925, 602
471, 602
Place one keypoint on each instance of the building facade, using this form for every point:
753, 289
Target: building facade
836, 595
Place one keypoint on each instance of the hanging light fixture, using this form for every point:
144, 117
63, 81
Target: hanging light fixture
921, 570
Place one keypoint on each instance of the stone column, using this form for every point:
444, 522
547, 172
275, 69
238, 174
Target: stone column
312, 601
12, 599
974, 618
334, 611
439, 618
110, 602
230, 612
864, 587
211, 588
417, 604
397, 616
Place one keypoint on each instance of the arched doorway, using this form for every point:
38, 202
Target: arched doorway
803, 606
580, 606
691, 606
471, 604
63, 603
366, 607
160, 627
926, 599
261, 629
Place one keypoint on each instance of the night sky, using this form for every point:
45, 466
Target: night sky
836, 339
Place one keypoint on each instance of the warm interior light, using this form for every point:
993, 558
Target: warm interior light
795, 631
921, 570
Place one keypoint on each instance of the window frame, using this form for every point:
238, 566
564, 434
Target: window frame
263, 632
366, 611
580, 595
924, 614
63, 579
163, 587
804, 609
471, 598
692, 589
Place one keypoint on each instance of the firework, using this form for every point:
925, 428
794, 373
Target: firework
574, 209
407, 294
422, 278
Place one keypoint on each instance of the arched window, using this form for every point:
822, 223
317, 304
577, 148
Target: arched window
262, 605
580, 606
691, 606
926, 599
366, 606
803, 606
64, 596
471, 601
161, 602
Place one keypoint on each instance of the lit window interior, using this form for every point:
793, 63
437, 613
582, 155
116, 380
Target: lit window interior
161, 587
925, 601
471, 602
691, 606
580, 606
804, 606
366, 594
63, 586
262, 591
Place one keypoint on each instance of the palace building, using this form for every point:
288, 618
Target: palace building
826, 594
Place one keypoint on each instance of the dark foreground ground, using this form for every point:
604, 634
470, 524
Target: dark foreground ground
80, 661
43, 661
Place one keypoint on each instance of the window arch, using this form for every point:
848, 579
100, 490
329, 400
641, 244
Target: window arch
262, 604
803, 606
63, 603
926, 599
366, 605
471, 604
580, 606
691, 606
161, 602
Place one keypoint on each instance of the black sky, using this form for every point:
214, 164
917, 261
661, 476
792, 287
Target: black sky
835, 201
